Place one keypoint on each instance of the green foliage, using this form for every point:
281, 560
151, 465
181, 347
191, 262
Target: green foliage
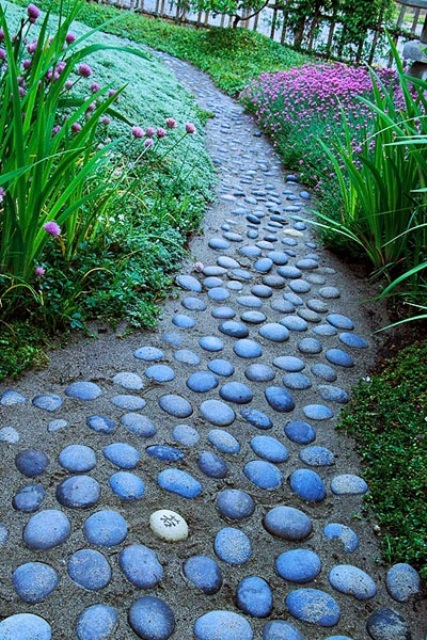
239, 9
388, 419
22, 346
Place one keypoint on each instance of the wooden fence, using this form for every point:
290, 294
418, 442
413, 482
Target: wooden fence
321, 34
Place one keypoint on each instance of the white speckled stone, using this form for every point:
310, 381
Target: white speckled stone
168, 525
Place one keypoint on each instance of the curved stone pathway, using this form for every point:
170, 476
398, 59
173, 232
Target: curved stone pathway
198, 490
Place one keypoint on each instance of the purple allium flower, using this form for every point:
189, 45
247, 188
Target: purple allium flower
33, 13
52, 228
148, 143
39, 272
76, 127
138, 132
56, 130
2, 193
26, 64
68, 85
70, 37
91, 107
2, 54
84, 70
105, 120
171, 123
161, 133
31, 47
1, 35
22, 91
94, 87
190, 128
112, 92
150, 132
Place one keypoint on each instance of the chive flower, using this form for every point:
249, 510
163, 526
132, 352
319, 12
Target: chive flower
52, 228
39, 272
33, 13
171, 123
84, 70
190, 128
138, 132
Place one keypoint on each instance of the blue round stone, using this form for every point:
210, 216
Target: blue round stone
185, 435
287, 271
280, 399
288, 523
263, 474
297, 381
78, 492
331, 393
293, 298
234, 329
246, 348
105, 528
165, 452
9, 398
274, 331
218, 294
183, 321
47, 529
262, 291
256, 418
149, 354
308, 485
317, 412
300, 286
141, 566
138, 425
217, 412
77, 458
351, 580
235, 504
324, 371
402, 582
353, 341
223, 441
29, 498
236, 392
269, 448
211, 343
324, 330
289, 363
280, 630
347, 536
25, 626
317, 456
263, 265
278, 257
194, 304
221, 367
259, 373
101, 424
212, 465
89, 569
254, 597
128, 380
222, 625
160, 373
152, 618
179, 482
339, 357
310, 345
32, 462
298, 565
294, 323
300, 432
189, 283
175, 405
83, 391
387, 624
313, 606
127, 486
202, 381
48, 401
34, 581
128, 402
223, 313
219, 244
204, 573
122, 455
97, 622
330, 293
340, 322
348, 484
232, 546
187, 357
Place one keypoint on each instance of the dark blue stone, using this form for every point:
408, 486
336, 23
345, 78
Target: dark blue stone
280, 630
254, 597
202, 381
274, 331
289, 363
34, 582
194, 304
318, 412
347, 536
186, 436
160, 373
122, 455
263, 474
352, 581
313, 606
300, 432
89, 569
308, 485
77, 458
32, 462
83, 391
212, 465
280, 399
101, 424
256, 418
234, 329
48, 401
141, 566
298, 565
127, 486
165, 452
97, 622
235, 504
189, 283
339, 357
175, 405
269, 448
402, 582
29, 499
353, 341
221, 367
387, 624
289, 272
310, 345
296, 381
236, 392
317, 456
183, 322
223, 441
288, 523
348, 484
187, 357
340, 322
294, 323
152, 618
204, 573
78, 492
262, 291
334, 394
324, 371
223, 313
47, 529
105, 528
222, 625
179, 482
232, 546
25, 626
138, 425
299, 286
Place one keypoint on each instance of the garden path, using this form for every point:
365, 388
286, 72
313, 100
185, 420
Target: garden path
225, 415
